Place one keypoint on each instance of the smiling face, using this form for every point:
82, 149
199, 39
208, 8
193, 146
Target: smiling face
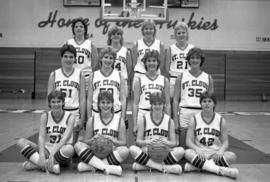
149, 31
151, 63
181, 35
195, 61
207, 104
79, 28
105, 105
107, 61
68, 59
56, 104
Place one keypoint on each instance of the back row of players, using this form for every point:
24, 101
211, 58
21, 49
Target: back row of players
84, 75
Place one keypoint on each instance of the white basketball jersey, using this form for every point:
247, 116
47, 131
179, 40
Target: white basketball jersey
141, 49
148, 86
111, 128
153, 129
83, 58
207, 134
121, 61
70, 85
110, 83
55, 130
192, 88
178, 62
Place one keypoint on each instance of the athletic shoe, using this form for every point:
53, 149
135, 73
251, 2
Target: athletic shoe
138, 167
113, 169
188, 168
230, 172
175, 169
28, 166
83, 167
56, 169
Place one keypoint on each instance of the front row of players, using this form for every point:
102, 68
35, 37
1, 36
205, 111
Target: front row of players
207, 140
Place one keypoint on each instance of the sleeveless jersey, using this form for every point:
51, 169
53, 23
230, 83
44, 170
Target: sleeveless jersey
83, 58
110, 83
178, 62
141, 49
70, 85
153, 129
148, 86
111, 128
207, 134
121, 61
55, 130
192, 88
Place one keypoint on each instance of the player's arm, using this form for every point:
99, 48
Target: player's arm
172, 136
51, 85
135, 104
140, 134
223, 136
167, 97
176, 100
94, 57
190, 138
162, 57
129, 63
42, 138
211, 85
168, 61
123, 97
89, 101
66, 136
134, 54
89, 133
82, 100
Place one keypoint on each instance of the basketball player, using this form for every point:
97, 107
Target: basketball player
70, 81
156, 125
188, 88
55, 138
176, 62
111, 126
207, 140
146, 44
107, 79
150, 82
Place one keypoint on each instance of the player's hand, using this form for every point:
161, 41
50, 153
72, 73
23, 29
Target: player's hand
217, 156
200, 154
109, 138
164, 140
135, 129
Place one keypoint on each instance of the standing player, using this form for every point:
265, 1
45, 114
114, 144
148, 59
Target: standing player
188, 89
70, 81
107, 79
207, 140
148, 83
146, 44
156, 126
55, 138
176, 62
111, 126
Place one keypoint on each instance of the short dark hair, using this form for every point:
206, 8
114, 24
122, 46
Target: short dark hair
56, 94
105, 95
84, 25
157, 97
208, 95
69, 48
195, 51
148, 54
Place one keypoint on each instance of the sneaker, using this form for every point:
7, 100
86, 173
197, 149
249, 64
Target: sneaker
175, 169
230, 172
28, 166
113, 169
138, 167
189, 167
83, 167
56, 169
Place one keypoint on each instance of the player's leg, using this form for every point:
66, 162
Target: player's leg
64, 155
209, 165
174, 156
87, 156
117, 156
227, 159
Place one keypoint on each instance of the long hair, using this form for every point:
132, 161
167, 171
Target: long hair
105, 95
151, 23
113, 30
84, 25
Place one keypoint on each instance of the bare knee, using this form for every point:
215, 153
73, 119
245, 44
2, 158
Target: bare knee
189, 154
123, 151
67, 150
134, 150
230, 156
80, 146
22, 142
178, 152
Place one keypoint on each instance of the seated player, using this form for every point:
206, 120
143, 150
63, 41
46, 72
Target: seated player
109, 125
55, 138
156, 127
207, 140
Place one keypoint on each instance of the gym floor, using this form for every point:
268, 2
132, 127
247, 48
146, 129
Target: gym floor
248, 125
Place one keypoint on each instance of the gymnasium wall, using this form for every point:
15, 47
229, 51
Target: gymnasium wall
236, 43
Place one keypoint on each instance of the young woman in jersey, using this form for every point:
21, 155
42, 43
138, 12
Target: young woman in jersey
207, 140
55, 138
104, 120
70, 81
176, 62
150, 82
147, 43
107, 79
188, 88
149, 130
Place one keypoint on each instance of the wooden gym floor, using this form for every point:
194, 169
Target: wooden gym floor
248, 124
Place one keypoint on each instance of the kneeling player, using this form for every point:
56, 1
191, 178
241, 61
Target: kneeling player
93, 151
207, 140
156, 140
55, 138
